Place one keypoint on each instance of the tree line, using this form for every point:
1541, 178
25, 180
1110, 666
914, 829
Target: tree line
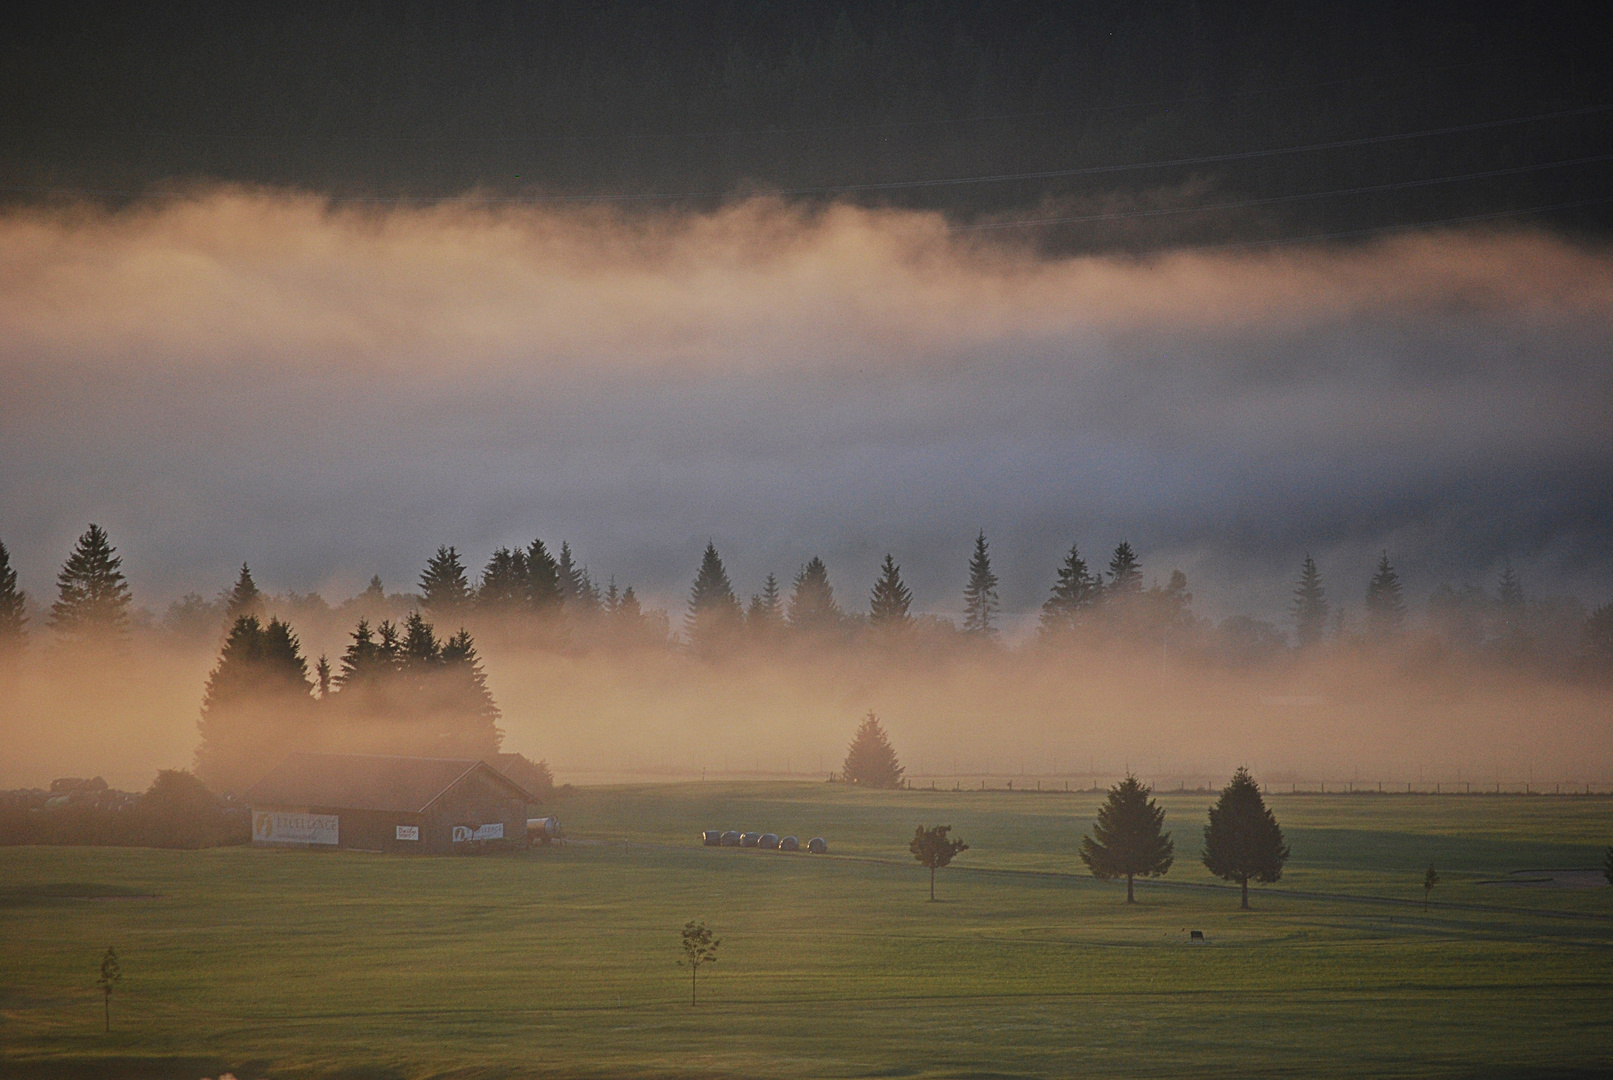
528, 594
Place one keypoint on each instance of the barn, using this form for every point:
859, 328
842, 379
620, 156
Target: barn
373, 802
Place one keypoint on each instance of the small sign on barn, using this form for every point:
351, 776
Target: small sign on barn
376, 802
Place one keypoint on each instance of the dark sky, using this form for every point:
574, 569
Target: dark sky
238, 319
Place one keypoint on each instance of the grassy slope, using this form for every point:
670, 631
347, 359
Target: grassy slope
290, 963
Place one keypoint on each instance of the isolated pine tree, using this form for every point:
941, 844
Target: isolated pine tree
1310, 605
1125, 573
1386, 608
980, 595
1509, 612
714, 611
1242, 840
1129, 839
889, 602
871, 760
93, 601
13, 607
1074, 593
244, 597
444, 587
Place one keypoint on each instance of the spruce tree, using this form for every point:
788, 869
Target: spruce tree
244, 598
764, 618
980, 595
1509, 609
93, 601
812, 601
444, 587
1242, 840
1386, 608
890, 600
545, 589
1125, 573
1310, 605
714, 611
870, 759
573, 580
503, 588
1129, 838
1075, 592
476, 732
366, 663
627, 608
254, 704
13, 606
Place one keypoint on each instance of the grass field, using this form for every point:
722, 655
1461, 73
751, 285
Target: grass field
562, 962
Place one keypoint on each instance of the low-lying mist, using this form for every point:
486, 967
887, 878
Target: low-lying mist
1056, 710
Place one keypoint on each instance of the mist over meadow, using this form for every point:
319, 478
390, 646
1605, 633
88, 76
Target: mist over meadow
327, 393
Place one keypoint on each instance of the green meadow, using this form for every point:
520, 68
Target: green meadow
563, 961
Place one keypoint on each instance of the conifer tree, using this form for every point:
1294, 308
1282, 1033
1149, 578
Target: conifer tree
627, 608
322, 675
545, 587
812, 606
870, 759
444, 588
94, 599
980, 595
1075, 592
244, 598
503, 587
366, 663
476, 731
714, 611
1242, 840
1509, 609
764, 618
1125, 573
1310, 605
890, 600
254, 704
13, 606
1386, 608
1128, 839
572, 578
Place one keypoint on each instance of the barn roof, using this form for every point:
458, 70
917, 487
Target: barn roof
368, 781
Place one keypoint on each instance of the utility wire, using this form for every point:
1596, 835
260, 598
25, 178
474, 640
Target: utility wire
895, 185
1241, 204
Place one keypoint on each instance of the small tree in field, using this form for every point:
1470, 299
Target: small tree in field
1430, 879
1242, 840
932, 848
111, 975
871, 760
698, 948
1128, 839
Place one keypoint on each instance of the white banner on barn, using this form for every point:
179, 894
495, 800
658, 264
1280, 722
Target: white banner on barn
408, 832
494, 831
279, 827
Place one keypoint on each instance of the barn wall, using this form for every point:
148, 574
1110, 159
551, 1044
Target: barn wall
476, 800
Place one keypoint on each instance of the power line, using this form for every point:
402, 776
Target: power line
1241, 204
737, 133
894, 185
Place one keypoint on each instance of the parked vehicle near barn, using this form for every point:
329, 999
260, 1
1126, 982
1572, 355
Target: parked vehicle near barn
542, 830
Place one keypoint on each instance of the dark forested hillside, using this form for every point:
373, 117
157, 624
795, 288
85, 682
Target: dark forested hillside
872, 102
